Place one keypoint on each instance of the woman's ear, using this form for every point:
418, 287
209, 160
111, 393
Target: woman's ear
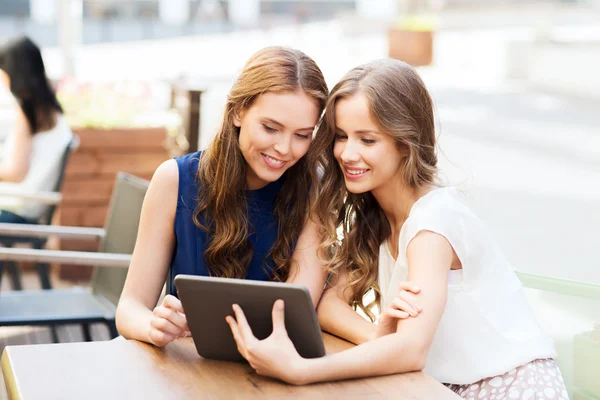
237, 118
404, 150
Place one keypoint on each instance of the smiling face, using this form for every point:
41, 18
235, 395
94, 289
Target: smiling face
368, 157
275, 132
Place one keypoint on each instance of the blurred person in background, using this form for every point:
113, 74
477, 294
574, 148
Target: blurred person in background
30, 158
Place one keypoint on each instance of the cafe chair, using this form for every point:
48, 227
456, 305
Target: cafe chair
80, 305
52, 200
569, 312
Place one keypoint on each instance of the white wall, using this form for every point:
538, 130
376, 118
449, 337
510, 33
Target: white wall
174, 12
377, 9
245, 13
44, 11
569, 68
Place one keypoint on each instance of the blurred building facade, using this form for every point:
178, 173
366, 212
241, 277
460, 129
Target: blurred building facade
127, 20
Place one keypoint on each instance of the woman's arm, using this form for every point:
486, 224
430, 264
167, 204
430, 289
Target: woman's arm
429, 259
15, 169
150, 264
307, 268
337, 317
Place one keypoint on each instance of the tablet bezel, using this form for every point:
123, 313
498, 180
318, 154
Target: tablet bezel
211, 333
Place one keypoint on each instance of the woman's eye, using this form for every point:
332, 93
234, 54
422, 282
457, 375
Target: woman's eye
368, 141
339, 136
302, 136
269, 128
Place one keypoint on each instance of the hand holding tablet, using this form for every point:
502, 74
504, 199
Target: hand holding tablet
207, 301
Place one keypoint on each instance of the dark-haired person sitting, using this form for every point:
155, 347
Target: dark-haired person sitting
30, 159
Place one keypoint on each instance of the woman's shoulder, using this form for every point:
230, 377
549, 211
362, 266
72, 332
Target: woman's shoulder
166, 175
441, 211
188, 165
186, 174
59, 128
440, 203
162, 192
445, 211
190, 157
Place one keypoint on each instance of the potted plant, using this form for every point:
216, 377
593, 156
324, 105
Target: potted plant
410, 39
120, 128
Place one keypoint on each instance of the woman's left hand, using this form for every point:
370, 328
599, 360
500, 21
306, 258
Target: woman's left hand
274, 356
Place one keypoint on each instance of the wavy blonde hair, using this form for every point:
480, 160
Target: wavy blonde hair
354, 225
222, 168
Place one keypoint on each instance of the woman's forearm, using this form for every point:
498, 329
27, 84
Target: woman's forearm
10, 174
133, 320
387, 355
339, 319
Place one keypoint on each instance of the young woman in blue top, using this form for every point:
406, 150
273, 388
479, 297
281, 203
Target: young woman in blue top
239, 209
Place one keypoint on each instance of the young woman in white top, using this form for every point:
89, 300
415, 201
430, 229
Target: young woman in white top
33, 149
470, 326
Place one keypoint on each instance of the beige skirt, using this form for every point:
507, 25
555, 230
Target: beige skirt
540, 379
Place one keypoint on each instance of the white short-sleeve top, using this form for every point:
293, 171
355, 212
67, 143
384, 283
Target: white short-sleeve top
47, 150
487, 327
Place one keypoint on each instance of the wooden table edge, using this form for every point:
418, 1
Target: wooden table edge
12, 389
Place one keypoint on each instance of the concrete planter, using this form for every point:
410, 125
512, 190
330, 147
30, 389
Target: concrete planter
410, 46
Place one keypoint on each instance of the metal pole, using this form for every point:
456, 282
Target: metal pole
70, 25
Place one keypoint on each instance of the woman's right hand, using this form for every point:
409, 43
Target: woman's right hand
403, 306
168, 322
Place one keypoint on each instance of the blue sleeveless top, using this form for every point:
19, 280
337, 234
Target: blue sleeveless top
191, 241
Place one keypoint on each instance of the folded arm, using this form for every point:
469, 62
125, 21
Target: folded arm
429, 260
16, 167
337, 317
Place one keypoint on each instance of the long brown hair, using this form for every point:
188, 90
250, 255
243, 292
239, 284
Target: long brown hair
222, 169
402, 107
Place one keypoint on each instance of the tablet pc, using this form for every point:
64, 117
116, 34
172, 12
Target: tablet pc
207, 301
